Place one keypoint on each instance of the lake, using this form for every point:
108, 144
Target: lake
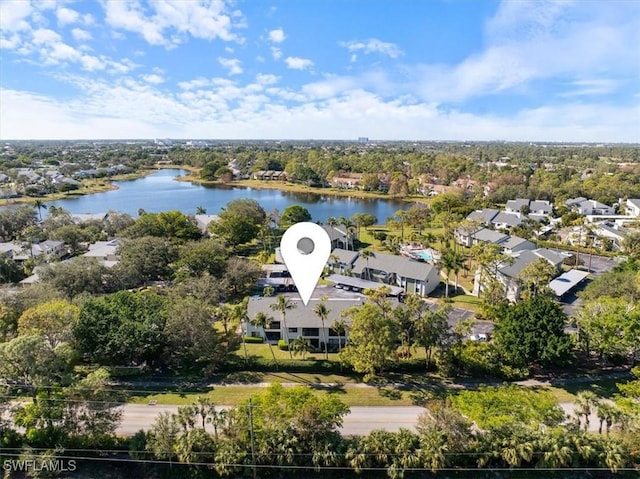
160, 192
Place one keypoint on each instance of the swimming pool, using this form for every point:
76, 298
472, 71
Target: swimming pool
424, 254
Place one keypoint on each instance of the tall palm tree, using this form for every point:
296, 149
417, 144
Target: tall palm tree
366, 254
322, 312
39, 204
263, 321
239, 313
340, 327
201, 210
457, 263
283, 304
446, 265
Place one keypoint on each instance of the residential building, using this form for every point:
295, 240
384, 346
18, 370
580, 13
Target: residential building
632, 206
586, 207
340, 237
50, 249
204, 221
105, 251
414, 276
612, 231
508, 272
300, 321
342, 260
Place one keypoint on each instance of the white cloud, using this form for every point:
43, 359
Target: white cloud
81, 35
13, 16
231, 64
600, 86
373, 45
277, 35
66, 16
153, 78
266, 79
170, 21
276, 53
297, 63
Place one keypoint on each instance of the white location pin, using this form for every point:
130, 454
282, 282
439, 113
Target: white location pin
305, 248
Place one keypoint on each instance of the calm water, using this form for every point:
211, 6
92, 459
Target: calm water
160, 192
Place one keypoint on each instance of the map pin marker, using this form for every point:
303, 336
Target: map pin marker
305, 248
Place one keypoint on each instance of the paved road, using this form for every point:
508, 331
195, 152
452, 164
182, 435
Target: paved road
360, 421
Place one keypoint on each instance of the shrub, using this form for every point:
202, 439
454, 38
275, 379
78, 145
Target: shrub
253, 339
283, 345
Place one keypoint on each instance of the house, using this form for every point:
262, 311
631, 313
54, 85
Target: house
300, 321
105, 251
505, 221
342, 260
51, 249
340, 236
539, 208
632, 207
483, 235
508, 272
270, 175
10, 249
615, 233
346, 180
413, 276
517, 205
80, 218
586, 207
483, 216
204, 221
515, 244
276, 276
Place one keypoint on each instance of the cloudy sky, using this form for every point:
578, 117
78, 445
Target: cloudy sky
321, 69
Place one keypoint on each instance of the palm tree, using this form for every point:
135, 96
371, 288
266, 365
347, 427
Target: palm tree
585, 401
239, 313
322, 312
457, 263
201, 210
204, 408
283, 304
340, 327
263, 321
366, 254
39, 204
300, 345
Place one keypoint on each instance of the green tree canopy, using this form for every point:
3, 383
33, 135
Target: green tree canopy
240, 222
168, 224
294, 214
532, 332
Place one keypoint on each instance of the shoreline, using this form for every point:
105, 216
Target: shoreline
298, 188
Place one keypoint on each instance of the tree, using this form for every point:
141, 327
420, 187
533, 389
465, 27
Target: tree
322, 312
263, 321
631, 244
239, 278
200, 210
294, 214
340, 327
430, 330
123, 328
371, 344
535, 278
202, 257
192, 343
82, 275
300, 345
143, 260
39, 205
173, 225
366, 254
363, 220
239, 222
283, 304
584, 404
533, 332
54, 320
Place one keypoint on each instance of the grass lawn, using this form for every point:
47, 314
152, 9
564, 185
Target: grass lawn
352, 395
366, 235
605, 388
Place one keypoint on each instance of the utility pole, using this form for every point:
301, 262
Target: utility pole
253, 446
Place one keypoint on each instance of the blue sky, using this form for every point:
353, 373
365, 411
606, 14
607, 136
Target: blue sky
321, 69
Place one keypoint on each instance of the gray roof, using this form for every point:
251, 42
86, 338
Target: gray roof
520, 262
551, 256
540, 205
567, 281
634, 201
517, 204
362, 283
509, 219
83, 217
485, 235
302, 316
335, 232
575, 201
483, 216
517, 242
344, 256
405, 267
